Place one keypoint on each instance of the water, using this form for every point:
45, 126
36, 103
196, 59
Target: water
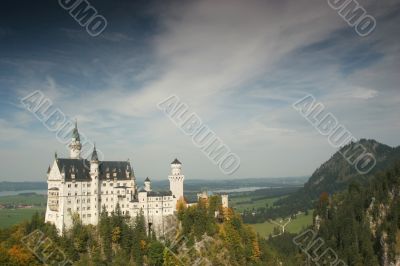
241, 189
14, 193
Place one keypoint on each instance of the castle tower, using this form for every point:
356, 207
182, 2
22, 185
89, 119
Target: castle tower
225, 200
94, 163
176, 179
147, 184
75, 145
95, 192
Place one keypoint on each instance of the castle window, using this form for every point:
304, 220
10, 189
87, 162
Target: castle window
84, 216
69, 193
69, 201
76, 193
69, 185
76, 185
89, 215
104, 184
88, 208
88, 185
77, 201
69, 209
77, 208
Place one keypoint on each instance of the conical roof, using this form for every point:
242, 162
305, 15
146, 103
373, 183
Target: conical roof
75, 133
94, 155
176, 161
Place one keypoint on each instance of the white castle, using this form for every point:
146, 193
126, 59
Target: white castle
86, 188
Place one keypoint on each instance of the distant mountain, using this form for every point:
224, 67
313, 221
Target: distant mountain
336, 174
18, 186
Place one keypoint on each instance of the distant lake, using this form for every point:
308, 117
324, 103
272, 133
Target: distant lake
242, 189
14, 193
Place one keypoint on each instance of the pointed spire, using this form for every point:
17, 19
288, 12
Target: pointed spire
55, 155
94, 154
147, 179
48, 169
75, 133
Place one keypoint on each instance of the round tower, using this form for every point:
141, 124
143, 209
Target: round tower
75, 145
95, 188
147, 184
176, 179
94, 162
225, 200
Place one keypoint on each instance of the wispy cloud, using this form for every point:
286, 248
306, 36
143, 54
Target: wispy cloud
239, 65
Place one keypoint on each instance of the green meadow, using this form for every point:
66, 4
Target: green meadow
295, 226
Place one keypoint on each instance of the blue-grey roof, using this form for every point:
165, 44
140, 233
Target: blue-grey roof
81, 168
159, 193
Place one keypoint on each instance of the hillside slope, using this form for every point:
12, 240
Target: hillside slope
362, 224
335, 175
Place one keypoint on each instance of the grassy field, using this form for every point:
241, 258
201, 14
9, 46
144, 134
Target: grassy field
9, 217
242, 203
295, 226
28, 199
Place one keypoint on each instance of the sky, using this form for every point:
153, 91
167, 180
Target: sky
239, 65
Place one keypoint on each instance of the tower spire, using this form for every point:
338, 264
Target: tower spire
75, 145
94, 154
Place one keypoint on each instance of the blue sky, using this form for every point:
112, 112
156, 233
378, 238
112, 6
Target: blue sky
238, 64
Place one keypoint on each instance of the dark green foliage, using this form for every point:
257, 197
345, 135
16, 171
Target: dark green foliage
346, 220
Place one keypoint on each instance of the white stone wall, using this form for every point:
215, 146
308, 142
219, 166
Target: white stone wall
86, 198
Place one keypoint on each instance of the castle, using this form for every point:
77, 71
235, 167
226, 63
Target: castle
86, 188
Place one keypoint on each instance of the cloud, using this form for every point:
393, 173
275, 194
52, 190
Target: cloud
238, 65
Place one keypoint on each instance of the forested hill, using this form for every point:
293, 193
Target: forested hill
202, 234
336, 174
362, 224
